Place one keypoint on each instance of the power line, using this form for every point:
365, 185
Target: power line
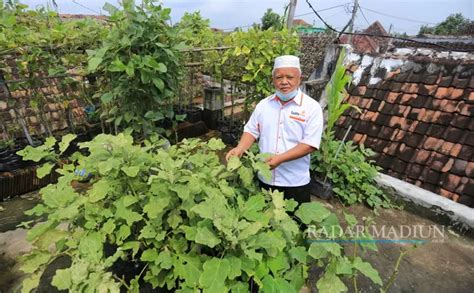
85, 7
361, 11
378, 36
324, 9
329, 8
398, 17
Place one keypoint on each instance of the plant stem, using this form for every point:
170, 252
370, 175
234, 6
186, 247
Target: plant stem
354, 278
395, 271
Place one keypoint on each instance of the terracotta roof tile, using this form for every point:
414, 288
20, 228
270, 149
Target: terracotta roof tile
392, 97
406, 98
466, 109
391, 149
469, 188
444, 118
410, 88
379, 145
429, 175
383, 119
395, 122
456, 93
399, 166
416, 101
380, 95
445, 193
447, 167
436, 130
470, 169
471, 96
370, 116
414, 171
443, 92
391, 75
460, 82
422, 156
432, 143
460, 121
452, 182
466, 153
419, 121
468, 139
427, 89
453, 134
413, 139
445, 81
446, 148
437, 161
456, 149
422, 127
406, 153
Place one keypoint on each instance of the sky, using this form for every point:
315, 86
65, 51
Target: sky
395, 15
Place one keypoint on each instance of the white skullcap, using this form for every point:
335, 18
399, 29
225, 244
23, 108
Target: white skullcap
287, 61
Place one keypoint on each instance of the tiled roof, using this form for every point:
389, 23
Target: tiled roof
300, 22
368, 44
417, 115
437, 42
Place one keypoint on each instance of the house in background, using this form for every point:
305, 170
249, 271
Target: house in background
302, 27
364, 44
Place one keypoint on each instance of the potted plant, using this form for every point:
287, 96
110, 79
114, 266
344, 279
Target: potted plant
324, 160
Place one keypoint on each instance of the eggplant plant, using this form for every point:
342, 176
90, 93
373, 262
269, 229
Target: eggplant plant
183, 220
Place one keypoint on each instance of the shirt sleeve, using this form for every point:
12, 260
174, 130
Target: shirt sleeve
314, 128
252, 126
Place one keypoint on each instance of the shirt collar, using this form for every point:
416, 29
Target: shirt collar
298, 99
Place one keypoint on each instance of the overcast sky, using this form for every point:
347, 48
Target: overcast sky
404, 15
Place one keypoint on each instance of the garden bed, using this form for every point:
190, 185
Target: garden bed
432, 267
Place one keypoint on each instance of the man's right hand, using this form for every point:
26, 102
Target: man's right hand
237, 151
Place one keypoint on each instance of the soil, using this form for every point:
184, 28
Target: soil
445, 266
431, 267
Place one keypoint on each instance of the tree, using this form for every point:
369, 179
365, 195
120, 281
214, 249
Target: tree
455, 24
272, 19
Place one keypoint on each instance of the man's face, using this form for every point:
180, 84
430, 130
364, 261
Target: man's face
286, 79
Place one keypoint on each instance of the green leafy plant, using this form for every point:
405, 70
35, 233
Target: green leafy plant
138, 65
183, 219
260, 48
46, 152
347, 166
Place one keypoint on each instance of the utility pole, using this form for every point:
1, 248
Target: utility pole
351, 26
291, 14
390, 29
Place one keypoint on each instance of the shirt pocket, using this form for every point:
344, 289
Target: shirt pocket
295, 128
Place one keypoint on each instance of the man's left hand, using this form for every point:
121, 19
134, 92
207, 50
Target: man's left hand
274, 161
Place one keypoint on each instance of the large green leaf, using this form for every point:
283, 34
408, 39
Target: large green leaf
94, 62
233, 163
215, 273
330, 283
62, 279
99, 190
90, 246
66, 140
312, 212
204, 235
44, 170
368, 271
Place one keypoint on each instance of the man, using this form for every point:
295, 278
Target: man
287, 124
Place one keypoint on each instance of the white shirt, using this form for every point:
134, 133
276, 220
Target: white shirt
279, 128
